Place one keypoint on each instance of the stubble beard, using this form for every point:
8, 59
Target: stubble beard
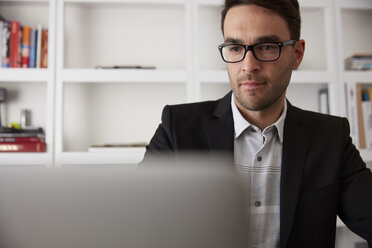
251, 100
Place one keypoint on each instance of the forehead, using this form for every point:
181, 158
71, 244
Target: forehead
251, 22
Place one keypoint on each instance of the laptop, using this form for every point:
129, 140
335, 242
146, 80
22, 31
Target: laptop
187, 205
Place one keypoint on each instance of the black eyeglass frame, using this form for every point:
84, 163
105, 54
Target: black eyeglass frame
251, 48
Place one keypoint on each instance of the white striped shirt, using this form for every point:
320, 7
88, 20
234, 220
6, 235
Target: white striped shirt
258, 158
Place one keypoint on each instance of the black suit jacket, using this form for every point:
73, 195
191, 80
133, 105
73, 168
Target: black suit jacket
322, 176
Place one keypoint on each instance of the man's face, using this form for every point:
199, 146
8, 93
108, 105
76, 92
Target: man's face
258, 85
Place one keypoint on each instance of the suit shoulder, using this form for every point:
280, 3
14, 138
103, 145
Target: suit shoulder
188, 110
315, 119
193, 106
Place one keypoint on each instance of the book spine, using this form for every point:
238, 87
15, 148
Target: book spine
5, 43
21, 139
23, 147
25, 57
33, 41
362, 140
38, 45
360, 64
367, 113
352, 112
44, 49
323, 101
367, 117
14, 44
1, 40
20, 45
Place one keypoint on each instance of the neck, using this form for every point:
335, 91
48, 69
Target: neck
265, 117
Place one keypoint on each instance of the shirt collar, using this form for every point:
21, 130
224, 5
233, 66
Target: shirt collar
241, 124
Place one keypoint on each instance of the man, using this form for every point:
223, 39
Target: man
300, 167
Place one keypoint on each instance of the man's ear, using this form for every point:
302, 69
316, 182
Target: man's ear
299, 50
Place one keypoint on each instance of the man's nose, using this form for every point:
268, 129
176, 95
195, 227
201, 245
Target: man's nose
250, 63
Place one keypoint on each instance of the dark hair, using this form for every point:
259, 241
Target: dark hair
288, 9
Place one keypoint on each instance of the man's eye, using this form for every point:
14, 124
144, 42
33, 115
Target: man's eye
267, 47
235, 49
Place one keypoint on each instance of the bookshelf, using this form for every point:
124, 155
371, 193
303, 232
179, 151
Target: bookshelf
349, 15
31, 89
121, 104
79, 105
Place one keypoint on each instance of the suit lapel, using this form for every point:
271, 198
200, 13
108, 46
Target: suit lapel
295, 150
220, 128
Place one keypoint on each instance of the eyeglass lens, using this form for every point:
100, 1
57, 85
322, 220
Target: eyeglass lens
263, 51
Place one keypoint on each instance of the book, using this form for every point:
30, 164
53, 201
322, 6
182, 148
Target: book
23, 147
2, 20
120, 147
359, 94
352, 112
1, 34
139, 67
14, 59
359, 62
25, 48
22, 139
5, 43
367, 118
44, 49
38, 45
323, 101
33, 51
6, 132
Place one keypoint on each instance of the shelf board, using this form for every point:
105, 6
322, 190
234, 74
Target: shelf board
356, 4
317, 77
128, 1
26, 1
303, 3
129, 156
358, 76
123, 76
23, 75
24, 158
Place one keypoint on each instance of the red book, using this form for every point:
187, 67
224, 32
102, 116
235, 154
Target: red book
21, 139
14, 59
5, 43
23, 147
44, 50
25, 57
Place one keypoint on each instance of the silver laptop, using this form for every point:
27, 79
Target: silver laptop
111, 207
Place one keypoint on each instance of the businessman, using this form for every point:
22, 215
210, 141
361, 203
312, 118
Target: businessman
300, 167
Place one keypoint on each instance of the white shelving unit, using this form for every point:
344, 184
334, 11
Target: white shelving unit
353, 19
31, 89
85, 106
129, 41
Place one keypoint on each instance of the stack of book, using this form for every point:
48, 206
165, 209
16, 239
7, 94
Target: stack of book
22, 46
26, 140
359, 62
117, 147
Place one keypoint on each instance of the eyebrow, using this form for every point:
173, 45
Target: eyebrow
233, 41
266, 38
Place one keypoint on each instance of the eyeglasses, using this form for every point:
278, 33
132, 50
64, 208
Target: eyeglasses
263, 51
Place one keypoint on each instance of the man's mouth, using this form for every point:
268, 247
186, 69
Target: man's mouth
251, 85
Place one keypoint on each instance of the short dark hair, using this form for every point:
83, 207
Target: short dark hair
288, 9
